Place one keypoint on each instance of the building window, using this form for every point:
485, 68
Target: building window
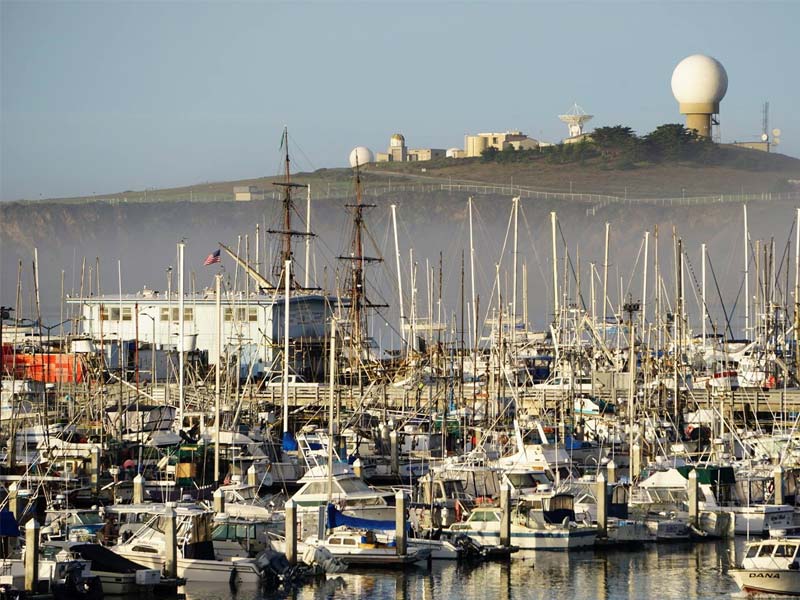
241, 314
188, 314
111, 313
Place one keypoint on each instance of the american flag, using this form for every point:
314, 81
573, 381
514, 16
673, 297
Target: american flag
212, 258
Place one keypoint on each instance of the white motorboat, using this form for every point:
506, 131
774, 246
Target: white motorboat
770, 567
546, 524
199, 558
347, 491
366, 549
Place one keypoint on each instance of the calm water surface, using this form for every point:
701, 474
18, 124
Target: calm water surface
663, 571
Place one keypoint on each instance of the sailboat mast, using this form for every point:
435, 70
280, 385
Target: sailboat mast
746, 275
514, 280
217, 378
796, 289
399, 274
285, 386
286, 255
307, 282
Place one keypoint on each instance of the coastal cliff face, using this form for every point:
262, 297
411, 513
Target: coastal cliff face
143, 236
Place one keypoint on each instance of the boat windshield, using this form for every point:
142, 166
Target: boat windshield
484, 516
526, 480
350, 486
88, 518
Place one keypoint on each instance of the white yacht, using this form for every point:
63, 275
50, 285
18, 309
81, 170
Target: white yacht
350, 493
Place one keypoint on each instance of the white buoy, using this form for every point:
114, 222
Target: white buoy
138, 489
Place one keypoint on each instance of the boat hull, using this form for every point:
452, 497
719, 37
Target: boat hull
767, 581
546, 539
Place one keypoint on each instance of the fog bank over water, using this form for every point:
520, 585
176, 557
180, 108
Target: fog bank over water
143, 237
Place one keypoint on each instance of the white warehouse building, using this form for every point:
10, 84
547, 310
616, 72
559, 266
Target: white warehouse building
252, 326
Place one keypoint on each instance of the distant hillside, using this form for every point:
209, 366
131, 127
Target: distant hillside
734, 171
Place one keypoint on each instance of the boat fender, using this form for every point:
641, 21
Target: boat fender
458, 511
232, 579
771, 487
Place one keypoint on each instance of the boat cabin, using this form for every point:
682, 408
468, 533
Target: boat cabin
772, 554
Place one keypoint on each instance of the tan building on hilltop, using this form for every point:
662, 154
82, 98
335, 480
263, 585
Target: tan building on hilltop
245, 193
475, 145
398, 152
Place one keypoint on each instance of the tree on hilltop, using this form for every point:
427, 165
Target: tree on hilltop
615, 141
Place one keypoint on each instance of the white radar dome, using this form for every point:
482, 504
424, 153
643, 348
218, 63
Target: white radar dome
361, 155
699, 79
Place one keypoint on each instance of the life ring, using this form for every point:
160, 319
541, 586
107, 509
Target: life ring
771, 382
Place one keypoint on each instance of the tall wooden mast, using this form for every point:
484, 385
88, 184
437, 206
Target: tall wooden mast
287, 233
358, 297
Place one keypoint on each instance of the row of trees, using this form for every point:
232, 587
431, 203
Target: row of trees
619, 147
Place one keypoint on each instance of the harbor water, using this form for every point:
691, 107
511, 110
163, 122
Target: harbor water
656, 571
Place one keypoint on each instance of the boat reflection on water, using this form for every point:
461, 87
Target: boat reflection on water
664, 571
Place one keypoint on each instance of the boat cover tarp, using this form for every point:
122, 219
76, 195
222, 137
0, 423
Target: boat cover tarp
710, 475
104, 559
337, 519
8, 524
289, 443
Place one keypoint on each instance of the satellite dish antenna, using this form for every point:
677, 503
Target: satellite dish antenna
776, 132
575, 119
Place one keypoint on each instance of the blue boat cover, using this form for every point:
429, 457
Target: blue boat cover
337, 519
289, 443
8, 524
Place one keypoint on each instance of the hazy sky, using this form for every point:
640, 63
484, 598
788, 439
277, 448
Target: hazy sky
99, 97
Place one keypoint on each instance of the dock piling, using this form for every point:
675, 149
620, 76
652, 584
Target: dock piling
291, 532
170, 541
400, 522
602, 505
505, 523
31, 555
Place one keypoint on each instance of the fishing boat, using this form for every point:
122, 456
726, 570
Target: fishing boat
364, 548
546, 524
343, 488
197, 559
770, 567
